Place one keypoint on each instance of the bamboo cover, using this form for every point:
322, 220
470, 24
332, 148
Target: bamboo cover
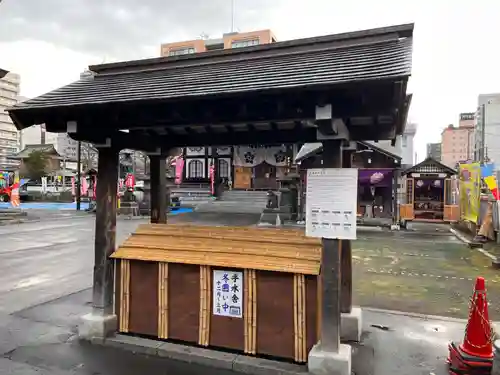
280, 250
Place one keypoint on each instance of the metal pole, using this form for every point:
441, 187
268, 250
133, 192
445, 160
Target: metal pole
483, 129
64, 172
232, 15
78, 175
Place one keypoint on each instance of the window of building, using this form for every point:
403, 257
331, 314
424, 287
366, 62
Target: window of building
405, 141
195, 169
181, 51
245, 43
223, 168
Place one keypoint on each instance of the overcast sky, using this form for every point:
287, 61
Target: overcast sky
456, 43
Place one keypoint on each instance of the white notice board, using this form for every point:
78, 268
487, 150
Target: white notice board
228, 293
331, 203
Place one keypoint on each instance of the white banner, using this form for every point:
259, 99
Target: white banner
251, 156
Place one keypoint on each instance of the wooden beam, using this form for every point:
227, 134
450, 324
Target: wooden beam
240, 138
105, 230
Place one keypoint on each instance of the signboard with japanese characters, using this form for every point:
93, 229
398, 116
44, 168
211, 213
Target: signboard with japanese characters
228, 293
331, 203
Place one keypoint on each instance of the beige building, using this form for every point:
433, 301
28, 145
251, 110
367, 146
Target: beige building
457, 143
9, 137
228, 40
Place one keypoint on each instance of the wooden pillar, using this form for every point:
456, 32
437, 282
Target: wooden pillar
105, 229
346, 257
158, 173
330, 279
395, 207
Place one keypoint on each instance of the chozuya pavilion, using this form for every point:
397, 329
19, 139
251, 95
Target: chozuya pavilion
335, 89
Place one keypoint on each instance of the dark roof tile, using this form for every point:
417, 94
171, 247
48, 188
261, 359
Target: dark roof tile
328, 65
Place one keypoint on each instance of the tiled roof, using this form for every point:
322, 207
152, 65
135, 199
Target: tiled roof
25, 152
356, 57
310, 149
430, 165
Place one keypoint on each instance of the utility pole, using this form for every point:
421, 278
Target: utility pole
232, 15
483, 138
78, 175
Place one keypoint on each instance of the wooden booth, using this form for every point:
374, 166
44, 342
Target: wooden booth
428, 194
334, 89
251, 290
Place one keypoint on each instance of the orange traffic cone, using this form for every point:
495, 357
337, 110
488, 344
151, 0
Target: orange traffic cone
477, 340
475, 354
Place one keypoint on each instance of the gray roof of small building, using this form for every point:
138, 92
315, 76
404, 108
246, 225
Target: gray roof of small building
376, 54
310, 149
26, 151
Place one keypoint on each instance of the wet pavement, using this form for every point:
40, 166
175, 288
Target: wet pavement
52, 260
43, 338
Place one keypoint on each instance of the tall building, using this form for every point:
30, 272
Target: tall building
408, 155
434, 151
9, 138
457, 143
487, 129
228, 40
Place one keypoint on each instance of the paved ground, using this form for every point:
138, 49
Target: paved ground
52, 258
42, 339
423, 274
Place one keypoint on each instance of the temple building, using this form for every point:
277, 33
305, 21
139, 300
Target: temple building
241, 167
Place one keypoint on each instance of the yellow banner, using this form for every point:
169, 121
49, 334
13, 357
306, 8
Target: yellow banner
470, 191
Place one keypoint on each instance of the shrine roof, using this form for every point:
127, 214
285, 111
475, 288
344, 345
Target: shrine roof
430, 165
369, 55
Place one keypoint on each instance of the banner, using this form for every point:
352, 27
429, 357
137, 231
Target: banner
212, 179
375, 177
470, 191
130, 181
251, 156
84, 186
44, 185
489, 178
14, 194
179, 169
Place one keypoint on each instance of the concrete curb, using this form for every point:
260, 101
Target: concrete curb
472, 244
205, 357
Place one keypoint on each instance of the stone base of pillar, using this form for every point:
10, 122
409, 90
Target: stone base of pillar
351, 325
96, 326
321, 362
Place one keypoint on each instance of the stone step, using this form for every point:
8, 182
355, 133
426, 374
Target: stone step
208, 208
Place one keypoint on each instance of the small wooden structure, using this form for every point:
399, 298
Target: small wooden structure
166, 289
332, 89
428, 193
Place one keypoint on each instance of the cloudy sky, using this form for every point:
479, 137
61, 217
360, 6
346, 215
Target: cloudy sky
456, 46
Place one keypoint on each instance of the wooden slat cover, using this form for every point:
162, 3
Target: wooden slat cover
237, 247
288, 236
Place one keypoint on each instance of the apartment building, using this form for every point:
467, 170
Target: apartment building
434, 151
228, 40
457, 143
9, 137
487, 145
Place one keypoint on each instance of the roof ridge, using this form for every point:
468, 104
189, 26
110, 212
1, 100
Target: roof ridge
318, 48
399, 31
